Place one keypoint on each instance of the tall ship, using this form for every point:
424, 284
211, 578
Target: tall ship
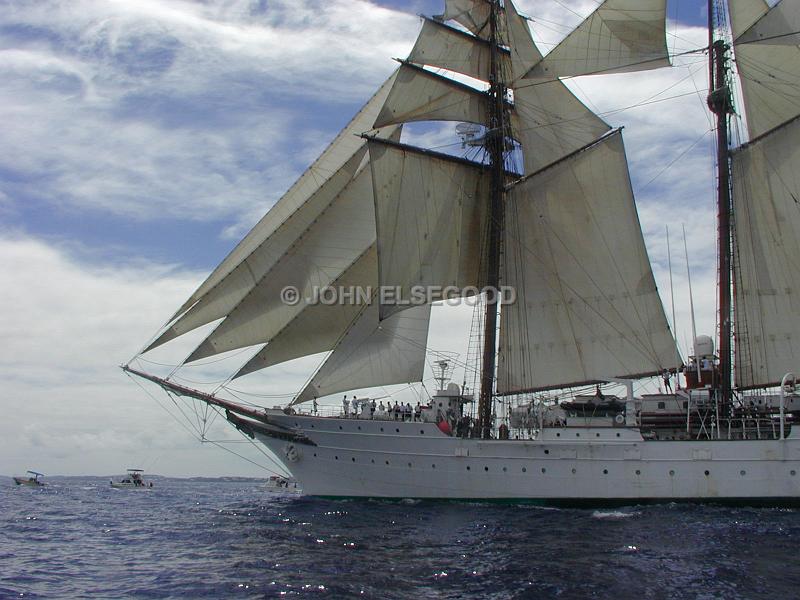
535, 221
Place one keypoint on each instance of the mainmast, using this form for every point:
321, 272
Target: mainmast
495, 146
719, 101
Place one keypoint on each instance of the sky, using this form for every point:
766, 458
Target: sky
142, 139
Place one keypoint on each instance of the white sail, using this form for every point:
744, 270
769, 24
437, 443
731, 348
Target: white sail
768, 66
442, 46
524, 53
319, 326
341, 233
430, 213
766, 186
587, 304
471, 14
374, 353
619, 36
266, 243
419, 95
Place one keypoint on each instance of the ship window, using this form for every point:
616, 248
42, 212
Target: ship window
707, 473
381, 428
504, 469
672, 473
353, 459
433, 466
793, 473
486, 469
547, 451
387, 462
340, 427
468, 468
297, 425
336, 457
742, 473
373, 461
397, 429
638, 472
524, 470
315, 455
422, 432
596, 435
359, 427
544, 470
574, 471
617, 435
605, 471
577, 435
409, 465
558, 435
662, 405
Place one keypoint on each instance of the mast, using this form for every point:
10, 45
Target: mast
495, 145
719, 101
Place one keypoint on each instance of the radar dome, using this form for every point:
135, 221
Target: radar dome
703, 346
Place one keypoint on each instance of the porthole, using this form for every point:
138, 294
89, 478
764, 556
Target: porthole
387, 462
577, 435
409, 465
336, 457
742, 473
638, 472
422, 432
353, 459
605, 471
381, 429
544, 470
671, 473
547, 451
618, 435
313, 426
340, 427
524, 470
793, 473
596, 435
574, 471
707, 473
315, 455
433, 466
359, 427
397, 429
372, 461
297, 425
558, 435
505, 469
468, 467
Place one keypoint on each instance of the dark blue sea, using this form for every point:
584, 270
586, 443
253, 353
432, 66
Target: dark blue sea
78, 538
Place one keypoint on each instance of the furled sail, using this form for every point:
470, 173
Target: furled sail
768, 61
374, 353
619, 36
320, 325
329, 246
587, 305
269, 240
766, 193
430, 212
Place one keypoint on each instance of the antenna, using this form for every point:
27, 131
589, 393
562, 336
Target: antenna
691, 305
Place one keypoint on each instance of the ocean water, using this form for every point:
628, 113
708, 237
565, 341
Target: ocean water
78, 538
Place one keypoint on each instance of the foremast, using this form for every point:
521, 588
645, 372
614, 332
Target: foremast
719, 101
496, 149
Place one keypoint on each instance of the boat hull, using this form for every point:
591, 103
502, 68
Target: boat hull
27, 482
387, 459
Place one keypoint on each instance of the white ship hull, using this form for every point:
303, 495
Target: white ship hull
366, 458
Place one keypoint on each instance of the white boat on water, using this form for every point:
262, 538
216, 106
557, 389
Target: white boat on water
134, 480
31, 480
277, 484
541, 202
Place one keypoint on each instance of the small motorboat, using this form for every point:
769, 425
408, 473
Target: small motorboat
134, 480
31, 481
277, 484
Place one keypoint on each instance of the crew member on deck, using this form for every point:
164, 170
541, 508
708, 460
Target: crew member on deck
667, 381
